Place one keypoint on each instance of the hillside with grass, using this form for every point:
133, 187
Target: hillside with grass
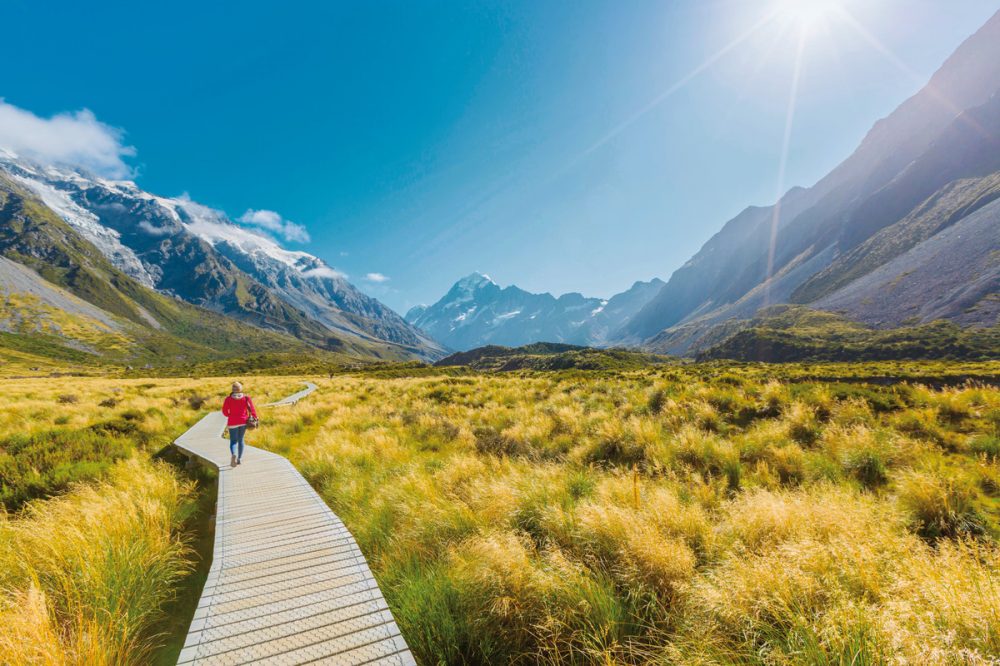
550, 356
798, 334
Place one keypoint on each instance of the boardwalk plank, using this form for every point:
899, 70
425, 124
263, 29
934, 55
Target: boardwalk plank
288, 583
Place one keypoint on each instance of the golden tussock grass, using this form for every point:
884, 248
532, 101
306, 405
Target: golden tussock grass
644, 518
93, 543
86, 575
684, 515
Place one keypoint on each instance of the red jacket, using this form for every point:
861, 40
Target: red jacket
238, 408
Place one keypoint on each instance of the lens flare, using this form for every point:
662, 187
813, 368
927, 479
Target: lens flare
807, 13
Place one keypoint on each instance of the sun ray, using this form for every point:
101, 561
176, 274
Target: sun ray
783, 161
751, 79
677, 85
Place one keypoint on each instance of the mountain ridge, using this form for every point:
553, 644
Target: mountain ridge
476, 311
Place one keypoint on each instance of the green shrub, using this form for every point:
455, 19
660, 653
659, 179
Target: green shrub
867, 465
48, 462
197, 402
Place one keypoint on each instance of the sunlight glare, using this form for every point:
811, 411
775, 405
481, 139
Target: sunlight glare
807, 13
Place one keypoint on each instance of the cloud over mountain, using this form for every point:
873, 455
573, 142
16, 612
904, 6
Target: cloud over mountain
269, 220
75, 139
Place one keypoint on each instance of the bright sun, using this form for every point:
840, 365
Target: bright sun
807, 13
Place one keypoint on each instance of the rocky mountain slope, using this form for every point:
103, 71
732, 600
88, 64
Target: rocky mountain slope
190, 252
63, 300
924, 169
476, 311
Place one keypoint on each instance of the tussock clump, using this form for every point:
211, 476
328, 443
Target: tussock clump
490, 441
760, 519
626, 443
657, 401
197, 402
940, 506
104, 560
865, 454
707, 417
652, 546
707, 454
133, 415
788, 462
796, 578
803, 426
506, 584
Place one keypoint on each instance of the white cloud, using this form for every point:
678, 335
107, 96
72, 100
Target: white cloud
377, 277
324, 271
272, 221
76, 139
154, 231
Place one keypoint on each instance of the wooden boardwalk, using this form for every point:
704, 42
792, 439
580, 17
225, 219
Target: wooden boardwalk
288, 583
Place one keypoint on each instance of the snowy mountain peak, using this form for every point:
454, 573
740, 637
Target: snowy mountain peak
475, 281
476, 311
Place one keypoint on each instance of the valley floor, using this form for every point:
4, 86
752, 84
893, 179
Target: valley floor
710, 513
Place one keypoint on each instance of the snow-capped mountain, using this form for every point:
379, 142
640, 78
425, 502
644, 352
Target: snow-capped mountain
476, 311
192, 252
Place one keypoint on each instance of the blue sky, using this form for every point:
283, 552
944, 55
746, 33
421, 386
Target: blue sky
425, 140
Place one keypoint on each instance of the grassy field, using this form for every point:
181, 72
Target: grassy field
694, 514
705, 514
96, 532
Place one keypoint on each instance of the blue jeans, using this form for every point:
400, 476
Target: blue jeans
236, 434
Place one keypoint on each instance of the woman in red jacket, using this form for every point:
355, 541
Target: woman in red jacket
238, 407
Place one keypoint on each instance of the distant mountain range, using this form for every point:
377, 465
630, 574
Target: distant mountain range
476, 311
119, 249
